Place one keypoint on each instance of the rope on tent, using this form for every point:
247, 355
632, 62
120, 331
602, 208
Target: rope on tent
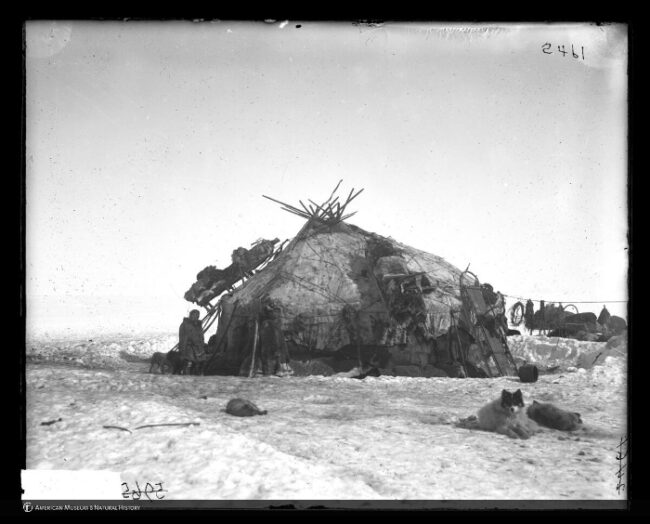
321, 258
325, 292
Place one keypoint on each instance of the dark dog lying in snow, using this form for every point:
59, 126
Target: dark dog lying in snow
553, 417
169, 362
240, 407
159, 363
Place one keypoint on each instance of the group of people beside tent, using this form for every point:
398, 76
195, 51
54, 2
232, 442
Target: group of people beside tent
558, 320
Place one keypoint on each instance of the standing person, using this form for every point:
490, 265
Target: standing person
542, 317
191, 343
529, 316
273, 348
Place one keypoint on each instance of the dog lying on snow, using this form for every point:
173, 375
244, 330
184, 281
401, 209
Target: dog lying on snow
553, 417
506, 416
164, 363
240, 407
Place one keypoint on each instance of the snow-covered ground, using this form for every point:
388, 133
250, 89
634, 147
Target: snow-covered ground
324, 437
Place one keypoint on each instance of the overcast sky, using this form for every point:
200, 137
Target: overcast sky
149, 146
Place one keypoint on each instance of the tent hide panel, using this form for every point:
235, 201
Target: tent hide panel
326, 269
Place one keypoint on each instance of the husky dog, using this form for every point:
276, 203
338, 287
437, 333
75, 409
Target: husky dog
503, 416
240, 407
174, 358
169, 362
553, 417
159, 363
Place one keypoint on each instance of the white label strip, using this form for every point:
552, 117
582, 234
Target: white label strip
43, 484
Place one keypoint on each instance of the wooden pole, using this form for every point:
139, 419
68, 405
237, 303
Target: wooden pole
347, 201
355, 196
250, 373
329, 209
317, 207
337, 186
347, 216
282, 203
299, 213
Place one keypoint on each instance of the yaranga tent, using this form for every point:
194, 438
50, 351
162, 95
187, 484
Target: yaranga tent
346, 296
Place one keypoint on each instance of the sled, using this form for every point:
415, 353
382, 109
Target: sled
493, 343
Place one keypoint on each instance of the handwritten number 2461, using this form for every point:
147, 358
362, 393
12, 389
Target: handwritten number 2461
546, 49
